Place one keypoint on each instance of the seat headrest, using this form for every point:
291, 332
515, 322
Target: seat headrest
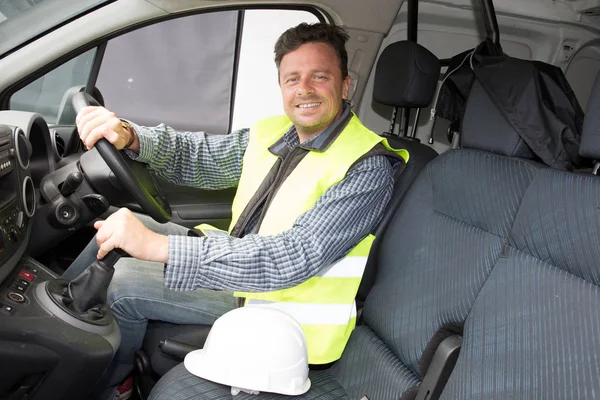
485, 128
406, 75
590, 136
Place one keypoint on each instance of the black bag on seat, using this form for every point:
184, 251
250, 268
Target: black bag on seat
534, 97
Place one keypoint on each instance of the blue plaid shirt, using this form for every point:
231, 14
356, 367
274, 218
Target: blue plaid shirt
342, 216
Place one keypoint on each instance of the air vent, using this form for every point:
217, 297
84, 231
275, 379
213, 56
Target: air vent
4, 144
28, 197
23, 149
58, 145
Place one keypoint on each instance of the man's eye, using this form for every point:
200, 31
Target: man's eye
320, 77
291, 80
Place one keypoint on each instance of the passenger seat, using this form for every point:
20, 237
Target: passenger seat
534, 328
406, 76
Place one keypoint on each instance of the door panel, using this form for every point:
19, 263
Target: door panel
191, 207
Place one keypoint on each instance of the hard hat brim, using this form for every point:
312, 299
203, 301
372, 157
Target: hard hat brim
198, 363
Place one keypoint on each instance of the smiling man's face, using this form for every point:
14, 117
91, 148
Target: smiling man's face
312, 87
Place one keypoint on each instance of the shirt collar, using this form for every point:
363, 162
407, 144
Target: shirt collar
319, 143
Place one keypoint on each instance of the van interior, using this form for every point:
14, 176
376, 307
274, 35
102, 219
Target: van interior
484, 279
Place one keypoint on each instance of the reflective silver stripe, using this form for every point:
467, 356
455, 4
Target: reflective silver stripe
347, 267
312, 314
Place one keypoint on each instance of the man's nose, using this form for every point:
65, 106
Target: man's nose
305, 87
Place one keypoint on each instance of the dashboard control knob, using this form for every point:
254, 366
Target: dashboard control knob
14, 235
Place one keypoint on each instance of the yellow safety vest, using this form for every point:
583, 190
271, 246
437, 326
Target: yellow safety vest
324, 305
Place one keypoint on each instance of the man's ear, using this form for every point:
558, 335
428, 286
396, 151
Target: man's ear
346, 87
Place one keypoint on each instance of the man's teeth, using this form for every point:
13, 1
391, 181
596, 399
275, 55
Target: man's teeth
309, 105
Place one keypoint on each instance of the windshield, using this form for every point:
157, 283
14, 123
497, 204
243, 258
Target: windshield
21, 20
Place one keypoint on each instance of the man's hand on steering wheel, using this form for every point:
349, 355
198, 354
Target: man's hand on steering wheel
94, 123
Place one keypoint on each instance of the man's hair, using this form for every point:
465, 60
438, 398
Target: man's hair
335, 36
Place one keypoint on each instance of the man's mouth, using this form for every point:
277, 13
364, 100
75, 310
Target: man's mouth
307, 105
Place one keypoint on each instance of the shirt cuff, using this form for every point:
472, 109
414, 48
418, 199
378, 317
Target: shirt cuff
183, 263
146, 143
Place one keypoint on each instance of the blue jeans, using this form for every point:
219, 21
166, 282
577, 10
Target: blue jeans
137, 294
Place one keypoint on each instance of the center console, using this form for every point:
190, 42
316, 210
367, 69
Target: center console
46, 352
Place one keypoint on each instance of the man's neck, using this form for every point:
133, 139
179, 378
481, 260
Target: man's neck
303, 137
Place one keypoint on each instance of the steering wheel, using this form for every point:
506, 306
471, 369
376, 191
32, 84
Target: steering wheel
134, 176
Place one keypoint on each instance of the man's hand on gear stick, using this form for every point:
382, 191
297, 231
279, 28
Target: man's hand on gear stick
122, 230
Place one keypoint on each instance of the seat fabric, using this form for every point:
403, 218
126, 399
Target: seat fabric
434, 258
420, 156
369, 367
323, 387
534, 329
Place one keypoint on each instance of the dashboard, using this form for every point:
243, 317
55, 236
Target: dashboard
24, 147
42, 344
17, 196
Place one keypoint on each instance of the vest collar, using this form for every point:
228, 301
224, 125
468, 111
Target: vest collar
319, 143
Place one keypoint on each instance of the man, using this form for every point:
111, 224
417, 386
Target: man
311, 186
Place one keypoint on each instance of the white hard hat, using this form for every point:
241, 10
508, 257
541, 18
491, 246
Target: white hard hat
254, 349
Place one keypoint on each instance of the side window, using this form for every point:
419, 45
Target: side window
49, 94
257, 93
181, 72
178, 72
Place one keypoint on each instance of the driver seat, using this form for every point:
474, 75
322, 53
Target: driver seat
406, 76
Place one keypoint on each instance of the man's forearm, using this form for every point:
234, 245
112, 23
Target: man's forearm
190, 158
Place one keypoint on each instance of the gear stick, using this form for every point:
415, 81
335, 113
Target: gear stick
81, 302
88, 290
85, 296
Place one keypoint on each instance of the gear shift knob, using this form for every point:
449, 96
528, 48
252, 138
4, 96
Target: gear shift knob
112, 257
89, 288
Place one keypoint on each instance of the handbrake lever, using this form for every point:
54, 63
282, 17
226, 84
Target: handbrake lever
175, 348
